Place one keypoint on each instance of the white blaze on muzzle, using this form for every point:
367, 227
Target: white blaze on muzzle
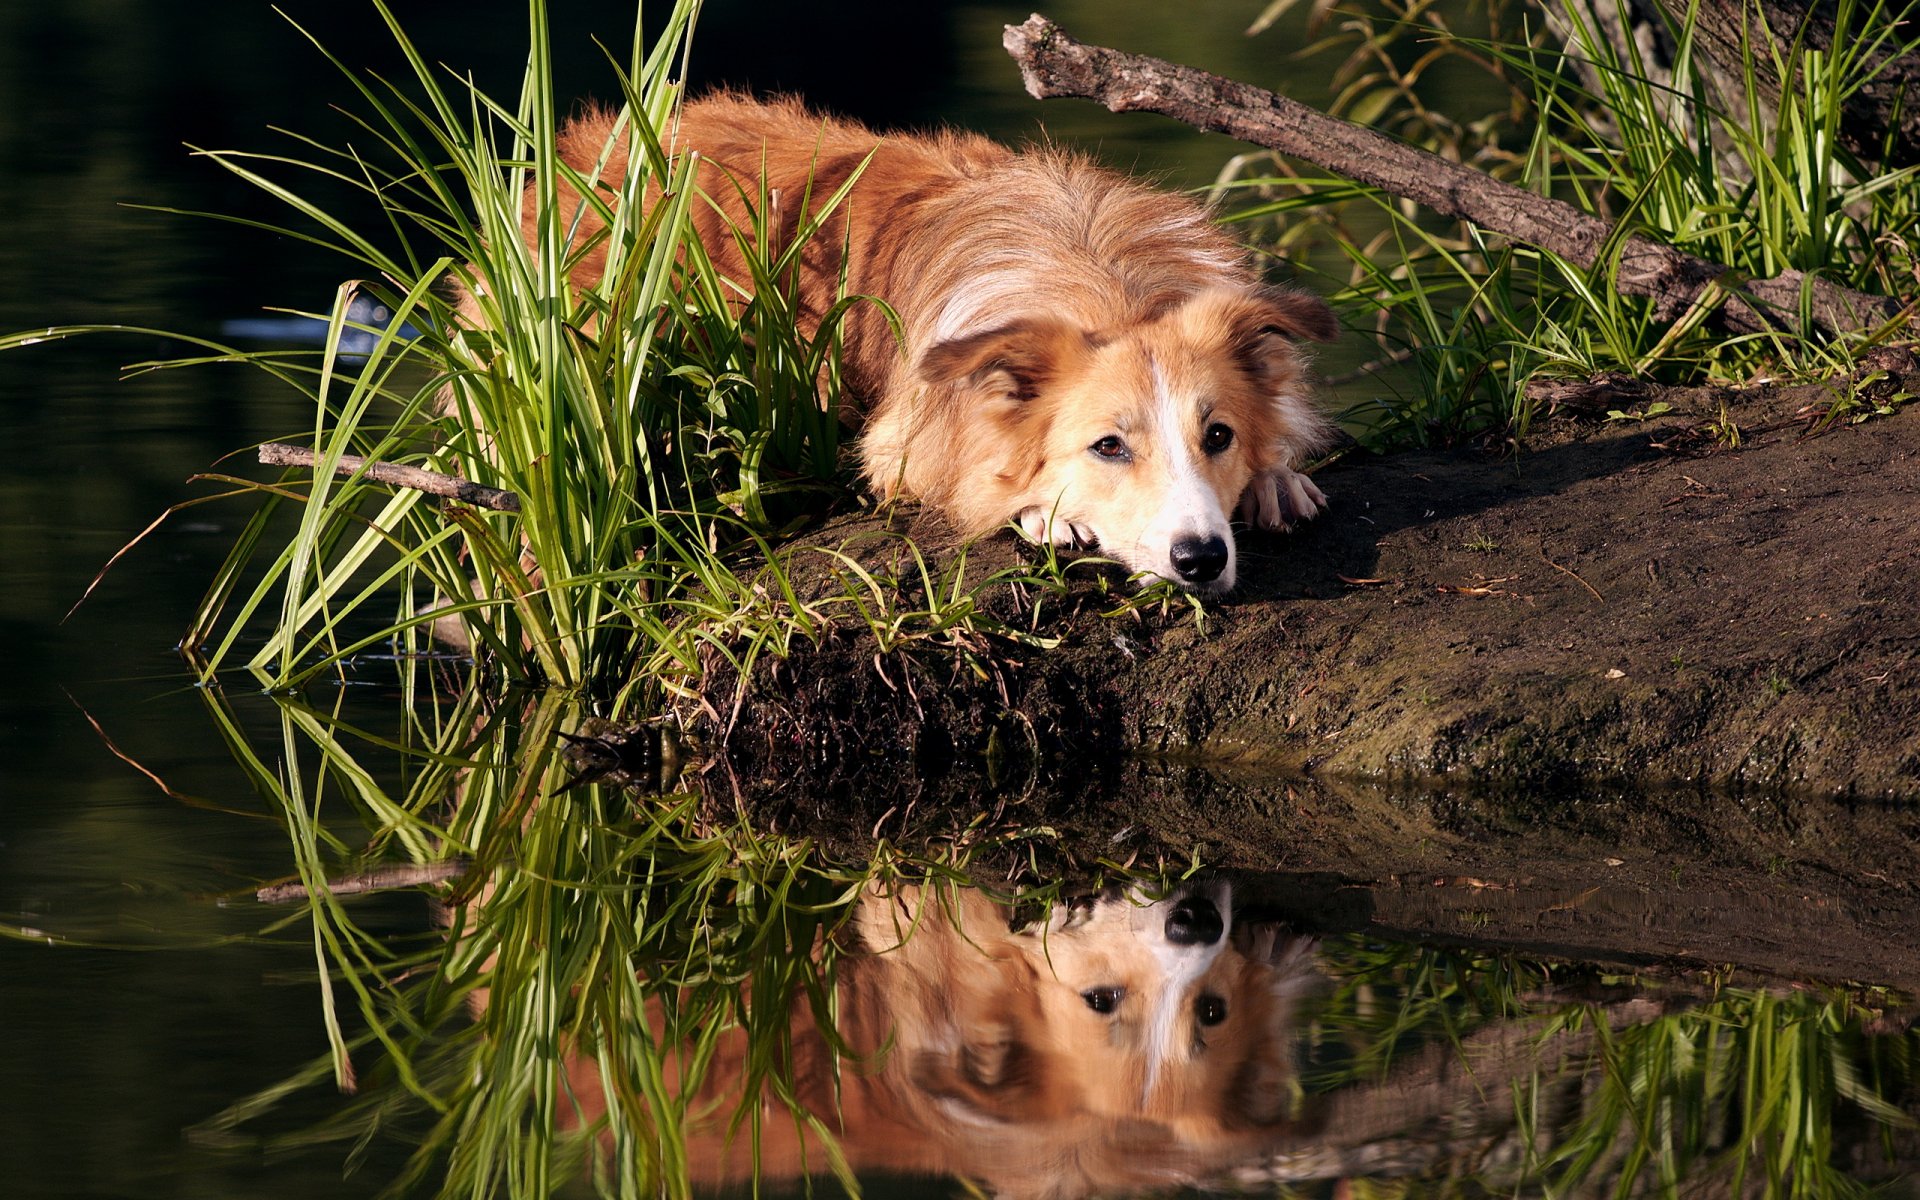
1182, 967
1189, 510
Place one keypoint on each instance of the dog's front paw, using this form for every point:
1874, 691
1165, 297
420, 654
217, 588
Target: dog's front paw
1280, 498
1041, 526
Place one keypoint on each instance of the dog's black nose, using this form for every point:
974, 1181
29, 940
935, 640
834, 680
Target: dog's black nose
1199, 560
1194, 922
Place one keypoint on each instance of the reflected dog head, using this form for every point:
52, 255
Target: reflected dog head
1133, 1041
1171, 1011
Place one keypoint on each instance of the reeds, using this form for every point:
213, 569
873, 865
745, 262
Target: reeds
597, 949
1711, 162
1737, 1091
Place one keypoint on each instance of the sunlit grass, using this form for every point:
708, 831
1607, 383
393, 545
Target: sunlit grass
1737, 179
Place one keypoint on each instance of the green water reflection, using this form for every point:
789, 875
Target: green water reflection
658, 992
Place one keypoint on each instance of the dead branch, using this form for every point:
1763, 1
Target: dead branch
378, 879
279, 454
1054, 64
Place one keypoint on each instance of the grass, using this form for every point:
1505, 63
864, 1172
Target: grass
1707, 161
1742, 1092
617, 935
666, 428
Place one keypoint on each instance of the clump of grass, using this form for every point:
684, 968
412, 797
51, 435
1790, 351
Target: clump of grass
663, 427
653, 423
618, 936
1746, 1092
1716, 165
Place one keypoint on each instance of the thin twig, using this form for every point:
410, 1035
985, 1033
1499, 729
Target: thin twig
1574, 574
279, 454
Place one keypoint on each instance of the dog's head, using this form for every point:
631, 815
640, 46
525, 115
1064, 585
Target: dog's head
1172, 1014
1143, 439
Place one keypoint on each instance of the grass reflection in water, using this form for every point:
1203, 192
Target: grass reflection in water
652, 990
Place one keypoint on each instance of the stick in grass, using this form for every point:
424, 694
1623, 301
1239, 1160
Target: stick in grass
1054, 64
379, 879
279, 454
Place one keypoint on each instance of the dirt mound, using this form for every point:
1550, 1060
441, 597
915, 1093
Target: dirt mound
1725, 594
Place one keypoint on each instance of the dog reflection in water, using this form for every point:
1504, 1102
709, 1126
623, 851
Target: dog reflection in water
1127, 1043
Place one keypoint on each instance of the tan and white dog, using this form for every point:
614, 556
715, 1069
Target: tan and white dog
1084, 355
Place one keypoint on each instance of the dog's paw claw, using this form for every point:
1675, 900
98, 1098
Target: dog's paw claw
1281, 498
1041, 526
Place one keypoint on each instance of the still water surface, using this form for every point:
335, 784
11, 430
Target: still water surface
142, 989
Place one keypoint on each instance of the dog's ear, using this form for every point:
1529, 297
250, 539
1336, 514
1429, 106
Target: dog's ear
994, 1076
989, 1065
1018, 360
1257, 328
1294, 314
1280, 966
1266, 324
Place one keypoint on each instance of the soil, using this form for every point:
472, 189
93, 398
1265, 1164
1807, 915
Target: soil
1632, 602
1643, 693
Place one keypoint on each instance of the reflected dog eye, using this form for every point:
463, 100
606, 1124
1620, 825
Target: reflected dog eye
1218, 438
1113, 448
1102, 1000
1211, 1010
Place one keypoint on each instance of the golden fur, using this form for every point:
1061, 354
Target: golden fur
1074, 341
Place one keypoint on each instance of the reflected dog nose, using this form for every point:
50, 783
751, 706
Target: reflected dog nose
1199, 560
1194, 922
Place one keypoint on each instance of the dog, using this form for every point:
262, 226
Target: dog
1124, 1043
1083, 355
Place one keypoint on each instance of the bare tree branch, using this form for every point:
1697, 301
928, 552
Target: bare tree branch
1054, 64
279, 454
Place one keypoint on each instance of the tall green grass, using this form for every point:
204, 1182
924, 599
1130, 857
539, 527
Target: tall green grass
1706, 161
660, 427
649, 423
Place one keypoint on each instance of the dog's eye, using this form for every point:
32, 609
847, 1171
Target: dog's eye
1210, 1009
1218, 438
1102, 1000
1111, 447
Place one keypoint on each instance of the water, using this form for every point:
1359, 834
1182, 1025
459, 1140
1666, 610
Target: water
142, 990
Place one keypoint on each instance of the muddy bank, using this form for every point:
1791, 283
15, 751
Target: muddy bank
1784, 888
1718, 596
